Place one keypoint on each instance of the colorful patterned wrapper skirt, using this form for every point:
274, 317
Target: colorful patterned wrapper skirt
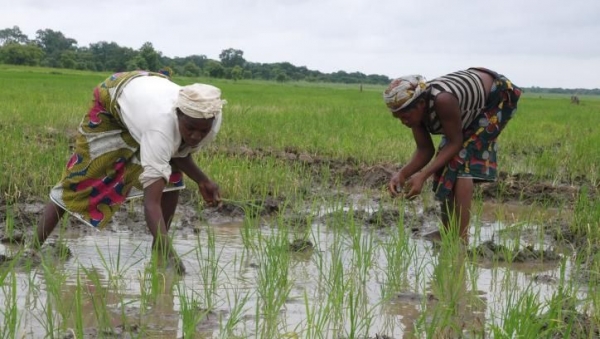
477, 158
104, 168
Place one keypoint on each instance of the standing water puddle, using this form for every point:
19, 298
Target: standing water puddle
349, 266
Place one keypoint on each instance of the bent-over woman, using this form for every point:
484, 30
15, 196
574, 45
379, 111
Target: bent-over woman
469, 108
137, 140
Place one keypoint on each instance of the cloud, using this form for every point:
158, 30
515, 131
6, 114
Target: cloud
545, 43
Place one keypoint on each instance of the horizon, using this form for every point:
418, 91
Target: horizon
547, 44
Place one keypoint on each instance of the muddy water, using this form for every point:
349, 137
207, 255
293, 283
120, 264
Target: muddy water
125, 250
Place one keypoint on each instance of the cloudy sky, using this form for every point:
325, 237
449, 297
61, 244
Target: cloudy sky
546, 43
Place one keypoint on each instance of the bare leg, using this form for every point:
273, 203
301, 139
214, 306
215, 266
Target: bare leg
163, 245
457, 210
446, 207
168, 205
50, 217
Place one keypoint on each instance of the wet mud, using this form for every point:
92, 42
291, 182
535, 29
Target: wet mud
241, 209
383, 218
17, 223
524, 187
118, 332
490, 251
301, 245
571, 324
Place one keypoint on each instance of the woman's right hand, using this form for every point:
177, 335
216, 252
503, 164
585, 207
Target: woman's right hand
397, 183
210, 192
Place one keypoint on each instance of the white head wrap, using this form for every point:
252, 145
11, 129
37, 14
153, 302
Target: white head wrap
200, 101
402, 91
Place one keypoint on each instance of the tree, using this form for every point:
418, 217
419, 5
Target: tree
109, 56
214, 69
280, 76
232, 57
67, 59
12, 35
151, 56
237, 73
17, 54
53, 43
191, 70
198, 60
138, 62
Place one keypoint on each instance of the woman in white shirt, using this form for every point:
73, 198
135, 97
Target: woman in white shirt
137, 140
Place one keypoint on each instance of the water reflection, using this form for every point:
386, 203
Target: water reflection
443, 295
92, 302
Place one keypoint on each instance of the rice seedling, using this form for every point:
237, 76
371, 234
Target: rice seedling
117, 265
273, 283
10, 311
238, 306
315, 150
191, 310
208, 261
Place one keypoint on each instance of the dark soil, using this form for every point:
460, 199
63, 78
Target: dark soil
354, 175
491, 251
525, 188
572, 324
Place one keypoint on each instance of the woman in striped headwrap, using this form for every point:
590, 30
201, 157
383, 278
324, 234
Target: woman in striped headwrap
136, 141
470, 108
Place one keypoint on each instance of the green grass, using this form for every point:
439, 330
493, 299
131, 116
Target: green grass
40, 113
549, 138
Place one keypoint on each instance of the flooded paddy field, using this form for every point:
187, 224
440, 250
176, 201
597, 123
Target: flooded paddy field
349, 262
307, 243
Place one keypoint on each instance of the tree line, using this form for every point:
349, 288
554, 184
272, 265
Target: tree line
560, 90
53, 49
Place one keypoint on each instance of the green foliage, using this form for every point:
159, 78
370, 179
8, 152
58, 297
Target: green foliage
191, 70
106, 56
13, 35
138, 62
232, 57
280, 76
236, 73
214, 69
44, 110
335, 292
110, 56
17, 54
150, 56
54, 43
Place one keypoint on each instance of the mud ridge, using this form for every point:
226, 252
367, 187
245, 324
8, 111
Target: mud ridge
522, 187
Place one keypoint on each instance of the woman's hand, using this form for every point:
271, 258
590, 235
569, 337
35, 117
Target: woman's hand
210, 192
397, 182
414, 185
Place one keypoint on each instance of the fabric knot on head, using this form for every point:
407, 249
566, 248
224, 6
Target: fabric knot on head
403, 90
200, 101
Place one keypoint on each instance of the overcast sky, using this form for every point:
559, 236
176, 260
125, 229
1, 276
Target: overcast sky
546, 43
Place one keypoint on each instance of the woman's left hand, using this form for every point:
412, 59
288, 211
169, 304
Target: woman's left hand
414, 185
210, 192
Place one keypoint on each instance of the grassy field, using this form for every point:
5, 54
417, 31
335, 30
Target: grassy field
270, 132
